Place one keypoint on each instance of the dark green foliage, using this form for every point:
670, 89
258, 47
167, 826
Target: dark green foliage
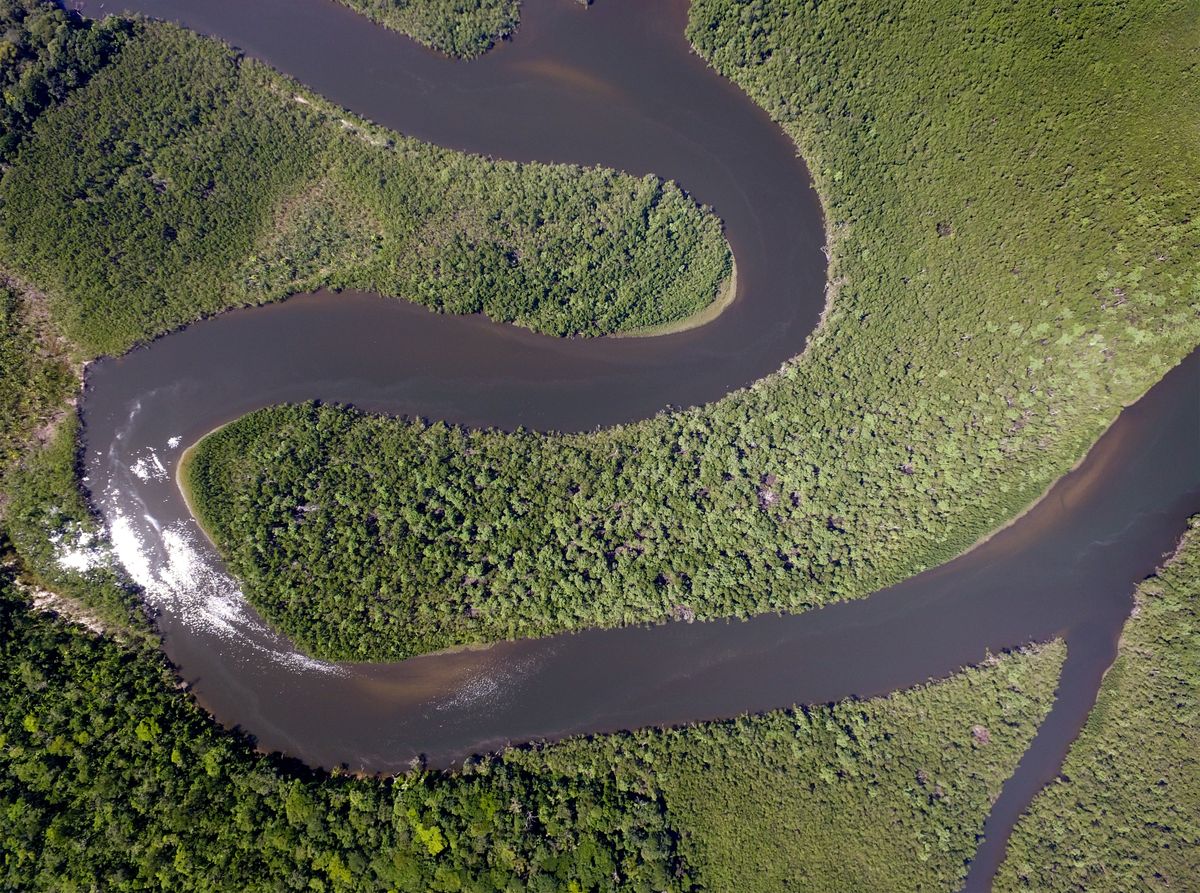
44, 54
1005, 276
464, 28
173, 172
1124, 813
198, 180
111, 780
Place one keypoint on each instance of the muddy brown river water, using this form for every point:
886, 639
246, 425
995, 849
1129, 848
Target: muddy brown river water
616, 85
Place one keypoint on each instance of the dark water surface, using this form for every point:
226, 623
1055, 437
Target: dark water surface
615, 85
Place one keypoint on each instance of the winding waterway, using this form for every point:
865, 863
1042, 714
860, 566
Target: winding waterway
616, 85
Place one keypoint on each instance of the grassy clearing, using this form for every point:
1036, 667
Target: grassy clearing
36, 375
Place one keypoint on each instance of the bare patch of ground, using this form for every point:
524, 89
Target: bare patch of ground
66, 608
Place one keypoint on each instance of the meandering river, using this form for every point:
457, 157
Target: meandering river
615, 85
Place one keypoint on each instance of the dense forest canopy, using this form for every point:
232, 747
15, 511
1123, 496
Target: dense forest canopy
110, 778
1005, 277
44, 54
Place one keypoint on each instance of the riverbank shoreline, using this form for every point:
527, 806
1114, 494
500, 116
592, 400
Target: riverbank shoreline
182, 468
724, 298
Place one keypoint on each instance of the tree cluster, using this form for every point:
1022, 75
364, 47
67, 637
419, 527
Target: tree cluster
45, 53
462, 28
109, 779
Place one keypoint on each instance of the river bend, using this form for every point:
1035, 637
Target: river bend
615, 85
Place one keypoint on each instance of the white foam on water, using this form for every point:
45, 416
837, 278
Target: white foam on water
127, 546
477, 689
188, 587
486, 686
149, 467
174, 442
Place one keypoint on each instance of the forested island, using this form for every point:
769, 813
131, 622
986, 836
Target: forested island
1004, 277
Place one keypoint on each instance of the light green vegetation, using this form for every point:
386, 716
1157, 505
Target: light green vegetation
199, 180
1124, 813
464, 28
35, 375
1006, 275
111, 778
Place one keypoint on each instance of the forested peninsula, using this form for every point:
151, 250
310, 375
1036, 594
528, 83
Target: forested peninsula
201, 180
461, 28
1004, 278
